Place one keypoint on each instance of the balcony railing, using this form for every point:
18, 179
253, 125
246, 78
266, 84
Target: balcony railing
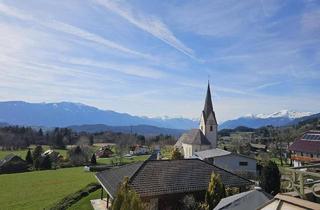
303, 178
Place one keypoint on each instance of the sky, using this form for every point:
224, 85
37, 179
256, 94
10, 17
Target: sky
154, 58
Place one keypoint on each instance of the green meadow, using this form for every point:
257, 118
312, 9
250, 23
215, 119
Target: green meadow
41, 189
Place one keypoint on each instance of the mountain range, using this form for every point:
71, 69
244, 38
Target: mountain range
66, 114
281, 118
82, 117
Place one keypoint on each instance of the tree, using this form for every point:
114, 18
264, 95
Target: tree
29, 157
270, 178
45, 163
126, 198
91, 140
37, 152
216, 191
176, 154
93, 159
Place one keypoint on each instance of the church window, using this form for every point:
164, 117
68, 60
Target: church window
211, 128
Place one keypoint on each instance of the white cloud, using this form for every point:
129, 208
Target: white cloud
150, 24
69, 29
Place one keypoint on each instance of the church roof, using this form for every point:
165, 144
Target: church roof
208, 107
194, 136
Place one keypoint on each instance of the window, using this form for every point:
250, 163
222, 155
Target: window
311, 155
211, 128
243, 163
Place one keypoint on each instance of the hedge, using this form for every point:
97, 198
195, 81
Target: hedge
75, 197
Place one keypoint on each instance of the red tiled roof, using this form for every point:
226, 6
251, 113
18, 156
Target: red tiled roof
308, 146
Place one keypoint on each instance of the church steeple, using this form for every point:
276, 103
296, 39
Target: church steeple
208, 123
208, 108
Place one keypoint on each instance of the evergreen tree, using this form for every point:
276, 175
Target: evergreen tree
29, 157
37, 152
126, 198
270, 178
93, 159
45, 163
176, 154
91, 140
216, 191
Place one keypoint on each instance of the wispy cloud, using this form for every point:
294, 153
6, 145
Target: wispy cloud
140, 71
150, 24
69, 29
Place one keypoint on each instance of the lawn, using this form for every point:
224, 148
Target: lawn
125, 160
41, 189
22, 153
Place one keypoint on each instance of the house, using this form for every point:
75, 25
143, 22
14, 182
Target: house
236, 163
104, 152
202, 143
256, 148
256, 198
163, 183
54, 156
203, 138
306, 149
286, 202
139, 150
12, 164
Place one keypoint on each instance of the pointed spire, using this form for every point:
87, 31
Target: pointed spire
208, 108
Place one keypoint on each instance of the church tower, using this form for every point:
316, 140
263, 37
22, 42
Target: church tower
208, 122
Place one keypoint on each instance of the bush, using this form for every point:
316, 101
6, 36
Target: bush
71, 199
270, 178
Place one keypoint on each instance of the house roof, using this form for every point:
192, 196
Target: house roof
194, 136
281, 201
160, 177
9, 158
258, 146
240, 201
309, 142
211, 153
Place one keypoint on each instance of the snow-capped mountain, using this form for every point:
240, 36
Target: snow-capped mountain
68, 114
279, 118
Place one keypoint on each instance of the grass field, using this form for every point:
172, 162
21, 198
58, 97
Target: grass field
22, 153
40, 189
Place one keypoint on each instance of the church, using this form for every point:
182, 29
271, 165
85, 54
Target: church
202, 144
206, 136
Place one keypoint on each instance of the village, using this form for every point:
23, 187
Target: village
160, 105
267, 173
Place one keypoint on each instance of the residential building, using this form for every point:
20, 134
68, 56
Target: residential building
236, 163
13, 164
162, 184
306, 149
139, 150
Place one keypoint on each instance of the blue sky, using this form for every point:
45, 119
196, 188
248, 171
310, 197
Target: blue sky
153, 58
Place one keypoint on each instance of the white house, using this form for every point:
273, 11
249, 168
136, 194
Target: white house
236, 163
